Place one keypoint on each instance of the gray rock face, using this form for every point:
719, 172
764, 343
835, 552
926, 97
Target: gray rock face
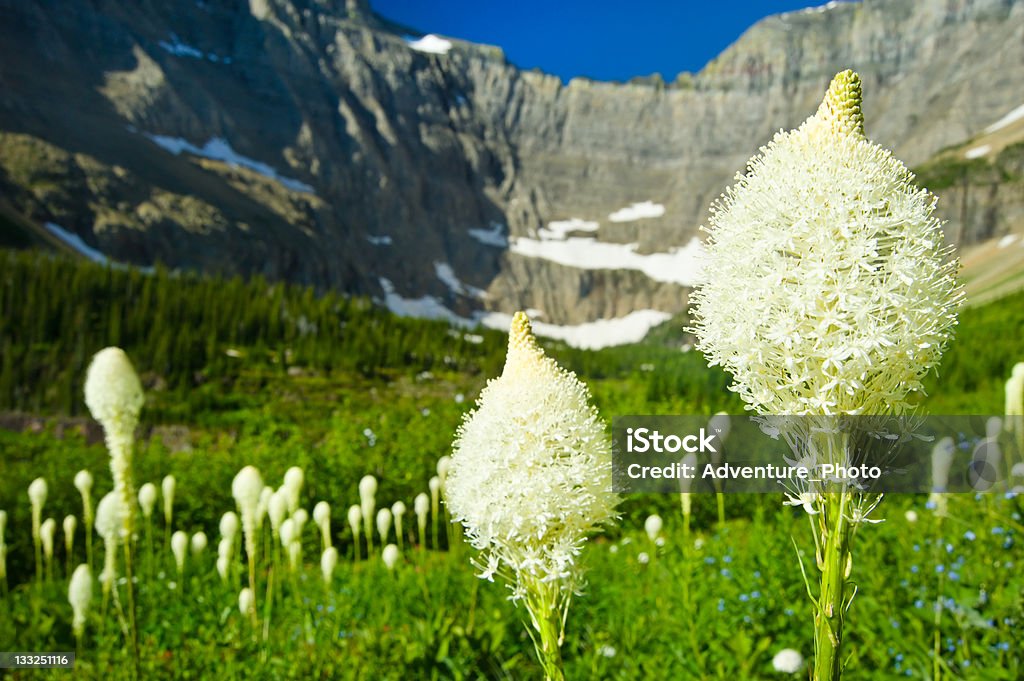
358, 159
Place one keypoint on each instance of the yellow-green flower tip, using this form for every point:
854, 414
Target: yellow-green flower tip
520, 335
840, 111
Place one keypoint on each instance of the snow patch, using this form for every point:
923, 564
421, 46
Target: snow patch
447, 275
218, 149
179, 49
679, 265
638, 211
1011, 117
76, 243
977, 152
491, 237
559, 229
590, 335
1007, 240
425, 307
430, 43
382, 240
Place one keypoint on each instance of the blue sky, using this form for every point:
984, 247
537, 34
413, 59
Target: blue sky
598, 39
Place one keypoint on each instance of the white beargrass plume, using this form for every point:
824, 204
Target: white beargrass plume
397, 511
114, 396
199, 543
355, 521
390, 556
277, 510
434, 485
179, 547
80, 596
322, 518
788, 661
147, 499
1014, 421
37, 498
247, 488
108, 527
228, 526
652, 526
530, 478
443, 465
83, 483
167, 487
328, 561
70, 524
293, 480
300, 518
289, 539
368, 506
421, 506
827, 290
263, 506
224, 551
384, 524
47, 531
246, 601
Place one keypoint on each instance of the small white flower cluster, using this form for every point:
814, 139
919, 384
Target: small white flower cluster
530, 475
827, 286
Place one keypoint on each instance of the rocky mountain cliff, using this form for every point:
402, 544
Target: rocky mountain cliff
315, 141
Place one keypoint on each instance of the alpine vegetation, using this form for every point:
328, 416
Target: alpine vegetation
530, 478
827, 290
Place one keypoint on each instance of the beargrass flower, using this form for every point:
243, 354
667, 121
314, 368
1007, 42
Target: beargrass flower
293, 481
368, 506
355, 520
199, 543
530, 479
827, 289
168, 486
114, 397
70, 524
322, 518
788, 661
179, 546
390, 556
384, 524
328, 561
421, 506
47, 531
277, 509
83, 483
108, 527
397, 511
652, 526
147, 499
80, 596
246, 601
37, 490
229, 525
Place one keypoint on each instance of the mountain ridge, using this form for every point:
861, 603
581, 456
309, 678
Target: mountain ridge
193, 135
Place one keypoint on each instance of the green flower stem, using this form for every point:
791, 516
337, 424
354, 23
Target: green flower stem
548, 608
834, 561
